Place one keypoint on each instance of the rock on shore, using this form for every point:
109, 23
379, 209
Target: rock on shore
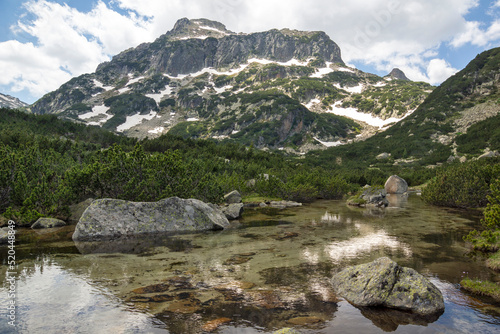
113, 218
383, 283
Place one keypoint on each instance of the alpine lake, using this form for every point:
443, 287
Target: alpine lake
271, 270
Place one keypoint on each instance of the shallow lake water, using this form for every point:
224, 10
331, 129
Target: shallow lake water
270, 270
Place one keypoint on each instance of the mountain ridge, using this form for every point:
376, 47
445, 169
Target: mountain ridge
7, 101
201, 80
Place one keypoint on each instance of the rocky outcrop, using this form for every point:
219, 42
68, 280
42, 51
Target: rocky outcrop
395, 185
112, 218
371, 196
48, 223
7, 101
383, 283
490, 154
397, 74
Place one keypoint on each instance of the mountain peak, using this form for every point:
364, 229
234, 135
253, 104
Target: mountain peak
198, 28
397, 74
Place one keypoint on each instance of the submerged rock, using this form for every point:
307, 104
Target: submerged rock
384, 283
112, 218
395, 185
48, 223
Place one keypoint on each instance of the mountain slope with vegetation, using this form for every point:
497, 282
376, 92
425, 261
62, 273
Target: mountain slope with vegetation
457, 121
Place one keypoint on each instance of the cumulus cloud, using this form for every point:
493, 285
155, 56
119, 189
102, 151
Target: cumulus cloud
66, 43
473, 34
382, 34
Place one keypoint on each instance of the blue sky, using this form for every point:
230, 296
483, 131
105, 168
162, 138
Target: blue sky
44, 43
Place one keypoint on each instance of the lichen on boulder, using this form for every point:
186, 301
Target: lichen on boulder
384, 283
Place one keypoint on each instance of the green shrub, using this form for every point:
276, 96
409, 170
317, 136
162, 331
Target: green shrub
464, 185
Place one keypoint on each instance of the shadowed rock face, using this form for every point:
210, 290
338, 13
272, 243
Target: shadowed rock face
383, 283
111, 218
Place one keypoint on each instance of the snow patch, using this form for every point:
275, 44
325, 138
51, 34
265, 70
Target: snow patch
99, 84
192, 119
242, 67
157, 130
96, 111
329, 143
222, 89
123, 90
344, 69
134, 120
160, 95
213, 29
353, 113
355, 90
380, 84
321, 72
311, 103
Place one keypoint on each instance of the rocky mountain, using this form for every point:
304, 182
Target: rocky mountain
459, 120
277, 89
397, 74
7, 101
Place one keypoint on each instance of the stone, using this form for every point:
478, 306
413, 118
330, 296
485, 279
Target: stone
161, 287
287, 330
4, 235
233, 197
303, 321
371, 196
383, 283
113, 218
383, 156
48, 223
284, 204
395, 185
233, 211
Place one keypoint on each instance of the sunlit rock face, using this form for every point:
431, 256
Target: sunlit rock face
396, 185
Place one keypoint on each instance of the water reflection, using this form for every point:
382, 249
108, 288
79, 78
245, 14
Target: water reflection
360, 246
51, 299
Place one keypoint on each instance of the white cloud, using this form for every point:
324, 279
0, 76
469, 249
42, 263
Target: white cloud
439, 70
380, 33
473, 34
66, 43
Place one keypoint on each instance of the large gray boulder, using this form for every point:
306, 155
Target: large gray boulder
383, 283
396, 185
113, 218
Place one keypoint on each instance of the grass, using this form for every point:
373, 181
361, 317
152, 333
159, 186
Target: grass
494, 262
255, 198
482, 288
